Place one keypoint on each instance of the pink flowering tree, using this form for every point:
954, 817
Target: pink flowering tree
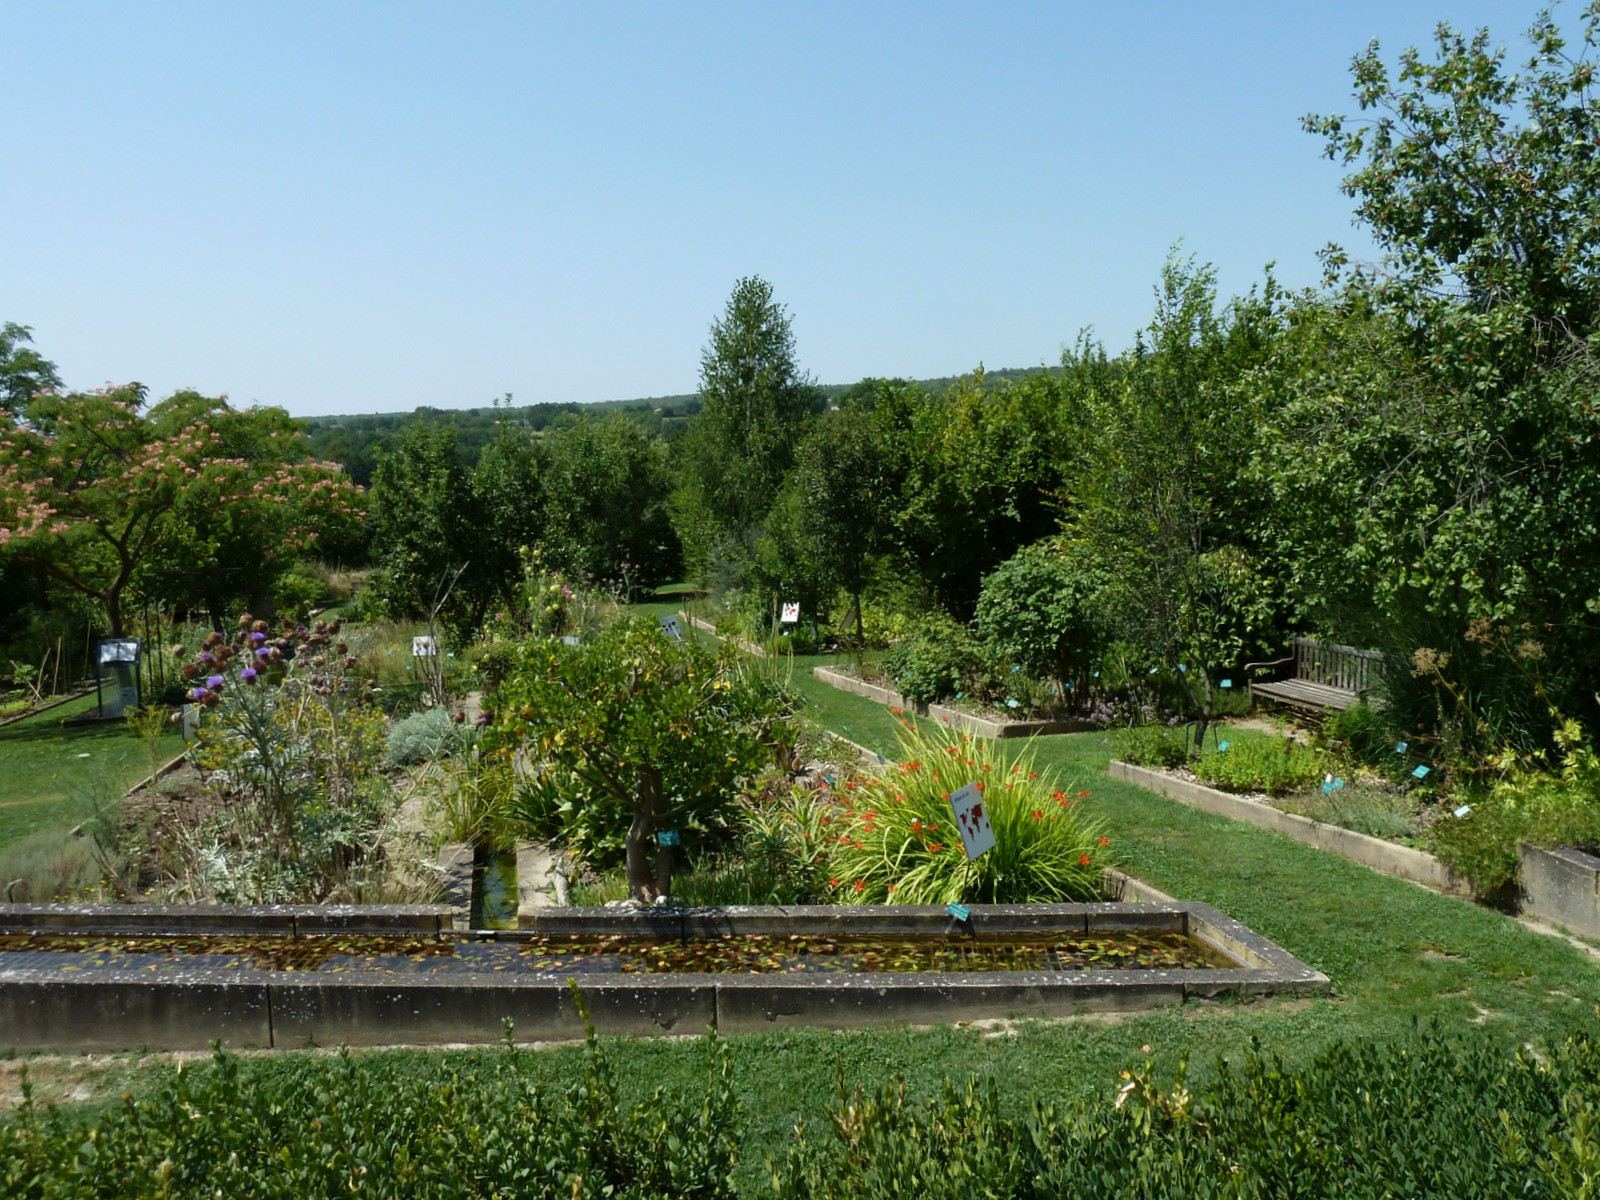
95, 487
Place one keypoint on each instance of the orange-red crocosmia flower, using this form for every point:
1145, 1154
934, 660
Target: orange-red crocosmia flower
859, 886
1083, 795
1083, 860
891, 889
1105, 841
936, 847
896, 709
834, 882
981, 787
1038, 814
1058, 795
916, 827
1033, 774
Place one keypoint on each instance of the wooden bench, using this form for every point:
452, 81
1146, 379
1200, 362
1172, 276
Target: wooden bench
1319, 675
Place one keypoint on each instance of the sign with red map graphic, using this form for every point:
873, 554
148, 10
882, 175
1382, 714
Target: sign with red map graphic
972, 818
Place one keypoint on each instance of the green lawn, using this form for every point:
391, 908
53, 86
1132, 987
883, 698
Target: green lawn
51, 777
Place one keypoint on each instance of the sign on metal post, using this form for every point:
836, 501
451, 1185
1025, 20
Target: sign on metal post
791, 614
972, 818
669, 626
667, 837
424, 647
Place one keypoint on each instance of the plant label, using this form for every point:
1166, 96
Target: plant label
1226, 683
1183, 668
568, 639
191, 720
424, 647
959, 911
1420, 772
1400, 749
669, 626
667, 837
972, 816
791, 614
1337, 783
1223, 747
1464, 811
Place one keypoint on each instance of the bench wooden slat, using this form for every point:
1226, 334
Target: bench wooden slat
1305, 693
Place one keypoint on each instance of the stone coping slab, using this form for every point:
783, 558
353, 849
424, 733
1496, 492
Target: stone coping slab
1403, 861
288, 920
1561, 886
51, 1008
955, 718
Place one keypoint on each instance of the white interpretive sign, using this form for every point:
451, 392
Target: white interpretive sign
423, 647
972, 818
669, 626
791, 614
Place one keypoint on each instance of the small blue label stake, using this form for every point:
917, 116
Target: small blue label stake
1327, 787
667, 837
1420, 772
1400, 749
1223, 747
1183, 668
959, 911
1464, 811
1338, 783
1227, 683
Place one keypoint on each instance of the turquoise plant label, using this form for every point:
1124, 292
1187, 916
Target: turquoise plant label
667, 837
1223, 747
1464, 811
1227, 683
959, 911
1183, 668
1420, 772
1400, 749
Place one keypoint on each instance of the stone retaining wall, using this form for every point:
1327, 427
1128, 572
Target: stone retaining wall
1562, 887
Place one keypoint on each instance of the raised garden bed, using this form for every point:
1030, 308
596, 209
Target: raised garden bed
1562, 886
115, 977
1388, 857
956, 718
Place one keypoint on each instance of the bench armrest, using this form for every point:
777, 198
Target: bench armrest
1268, 666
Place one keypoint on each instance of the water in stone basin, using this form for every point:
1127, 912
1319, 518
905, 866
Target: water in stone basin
747, 954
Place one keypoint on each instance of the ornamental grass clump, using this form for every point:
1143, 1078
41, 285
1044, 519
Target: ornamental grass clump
893, 838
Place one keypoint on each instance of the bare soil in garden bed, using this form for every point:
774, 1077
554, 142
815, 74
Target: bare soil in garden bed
966, 704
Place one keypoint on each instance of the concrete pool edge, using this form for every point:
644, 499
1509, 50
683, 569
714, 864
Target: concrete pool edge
52, 1009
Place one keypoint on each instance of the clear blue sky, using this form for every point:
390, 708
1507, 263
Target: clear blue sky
367, 207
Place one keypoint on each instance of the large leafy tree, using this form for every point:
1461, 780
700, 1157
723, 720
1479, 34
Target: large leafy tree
1432, 437
1162, 503
609, 487
24, 373
755, 403
95, 488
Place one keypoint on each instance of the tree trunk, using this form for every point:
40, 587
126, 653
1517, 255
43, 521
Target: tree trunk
1203, 721
114, 611
861, 633
645, 880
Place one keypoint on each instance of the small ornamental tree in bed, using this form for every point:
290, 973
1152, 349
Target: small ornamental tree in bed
644, 725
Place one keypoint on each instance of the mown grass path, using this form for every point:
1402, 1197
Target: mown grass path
51, 776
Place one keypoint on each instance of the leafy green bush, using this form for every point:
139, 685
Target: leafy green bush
935, 660
425, 736
894, 839
1045, 610
484, 1126
1275, 766
1426, 1118
1546, 808
1365, 731
1154, 746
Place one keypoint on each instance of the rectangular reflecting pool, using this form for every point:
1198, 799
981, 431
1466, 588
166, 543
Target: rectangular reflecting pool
109, 977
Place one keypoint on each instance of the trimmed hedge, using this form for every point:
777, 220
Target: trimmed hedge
1428, 1118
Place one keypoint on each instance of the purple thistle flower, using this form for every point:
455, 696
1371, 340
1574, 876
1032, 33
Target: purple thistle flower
264, 654
197, 694
248, 674
258, 637
214, 681
208, 657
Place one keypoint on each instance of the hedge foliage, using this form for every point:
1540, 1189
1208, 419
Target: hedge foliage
1430, 1117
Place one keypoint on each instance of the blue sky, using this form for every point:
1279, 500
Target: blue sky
347, 208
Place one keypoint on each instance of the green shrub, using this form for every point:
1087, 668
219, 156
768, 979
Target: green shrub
1045, 610
46, 866
1154, 746
935, 660
425, 736
1275, 766
1365, 731
478, 1126
1425, 1118
894, 839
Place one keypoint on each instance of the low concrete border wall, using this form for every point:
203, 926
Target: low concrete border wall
707, 627
44, 708
51, 1008
1402, 861
1562, 887
964, 722
282, 920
